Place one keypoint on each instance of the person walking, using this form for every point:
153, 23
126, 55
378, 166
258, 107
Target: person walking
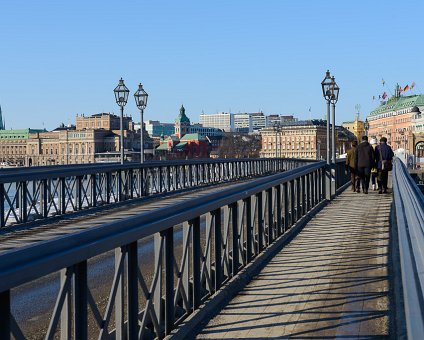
364, 158
374, 171
351, 166
383, 158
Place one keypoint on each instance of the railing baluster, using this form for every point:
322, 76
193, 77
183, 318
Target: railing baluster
235, 238
217, 248
80, 300
168, 235
5, 315
132, 293
196, 261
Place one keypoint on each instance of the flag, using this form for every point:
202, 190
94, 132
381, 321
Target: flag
406, 88
413, 84
383, 82
384, 96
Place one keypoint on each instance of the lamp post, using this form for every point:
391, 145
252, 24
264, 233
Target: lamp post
334, 99
318, 149
277, 129
326, 85
141, 97
366, 126
121, 97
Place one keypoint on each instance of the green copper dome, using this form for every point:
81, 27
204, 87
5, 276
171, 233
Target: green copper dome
182, 118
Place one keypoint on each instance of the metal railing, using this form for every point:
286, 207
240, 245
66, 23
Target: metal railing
28, 194
218, 235
409, 215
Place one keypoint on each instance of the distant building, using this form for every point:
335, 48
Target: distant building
223, 121
182, 123
156, 129
279, 119
73, 144
243, 122
357, 127
258, 121
301, 139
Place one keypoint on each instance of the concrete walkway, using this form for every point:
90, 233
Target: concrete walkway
331, 281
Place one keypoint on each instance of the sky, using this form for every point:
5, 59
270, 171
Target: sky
59, 59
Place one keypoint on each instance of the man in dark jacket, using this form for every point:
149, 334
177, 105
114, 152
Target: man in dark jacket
364, 160
383, 154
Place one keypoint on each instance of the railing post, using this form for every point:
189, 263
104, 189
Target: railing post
168, 234
119, 299
249, 229
260, 219
132, 293
66, 312
235, 236
286, 207
5, 315
218, 248
24, 200
157, 293
304, 193
270, 216
2, 203
196, 261
93, 190
62, 195
80, 300
79, 192
278, 210
292, 206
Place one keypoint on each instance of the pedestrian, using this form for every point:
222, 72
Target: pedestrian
383, 158
364, 157
351, 166
374, 171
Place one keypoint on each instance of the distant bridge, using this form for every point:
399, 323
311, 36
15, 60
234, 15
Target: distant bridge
358, 257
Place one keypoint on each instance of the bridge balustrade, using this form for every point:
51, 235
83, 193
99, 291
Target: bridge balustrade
218, 235
28, 194
409, 218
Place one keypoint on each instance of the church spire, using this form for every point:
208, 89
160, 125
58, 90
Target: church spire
2, 126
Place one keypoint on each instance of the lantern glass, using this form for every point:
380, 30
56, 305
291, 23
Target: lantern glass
121, 93
335, 91
141, 97
326, 85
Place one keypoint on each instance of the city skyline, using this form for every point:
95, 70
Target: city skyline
212, 57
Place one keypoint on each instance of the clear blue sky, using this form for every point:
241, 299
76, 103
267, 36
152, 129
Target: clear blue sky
62, 58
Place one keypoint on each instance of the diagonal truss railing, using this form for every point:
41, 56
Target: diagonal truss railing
29, 194
221, 233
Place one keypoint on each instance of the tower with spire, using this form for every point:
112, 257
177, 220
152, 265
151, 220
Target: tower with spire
182, 123
2, 124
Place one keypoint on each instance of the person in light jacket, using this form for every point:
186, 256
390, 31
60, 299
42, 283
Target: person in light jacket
364, 162
350, 165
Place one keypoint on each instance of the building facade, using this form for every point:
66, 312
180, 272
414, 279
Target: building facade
397, 120
73, 144
302, 139
357, 127
223, 121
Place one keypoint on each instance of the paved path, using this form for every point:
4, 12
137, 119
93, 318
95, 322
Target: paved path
331, 281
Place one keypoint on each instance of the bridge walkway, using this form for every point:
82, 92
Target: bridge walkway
331, 281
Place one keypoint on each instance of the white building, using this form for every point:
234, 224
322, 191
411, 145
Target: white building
243, 122
258, 121
223, 121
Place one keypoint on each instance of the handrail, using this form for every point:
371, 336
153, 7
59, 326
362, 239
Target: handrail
39, 193
409, 209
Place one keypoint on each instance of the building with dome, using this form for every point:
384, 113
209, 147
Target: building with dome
182, 123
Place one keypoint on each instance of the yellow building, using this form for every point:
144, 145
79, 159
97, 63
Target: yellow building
357, 127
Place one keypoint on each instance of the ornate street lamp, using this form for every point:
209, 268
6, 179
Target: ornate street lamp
141, 97
334, 99
366, 126
326, 85
277, 129
121, 97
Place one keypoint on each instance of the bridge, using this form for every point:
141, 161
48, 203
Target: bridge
210, 249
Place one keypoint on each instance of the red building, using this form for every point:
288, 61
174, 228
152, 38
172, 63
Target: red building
190, 145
